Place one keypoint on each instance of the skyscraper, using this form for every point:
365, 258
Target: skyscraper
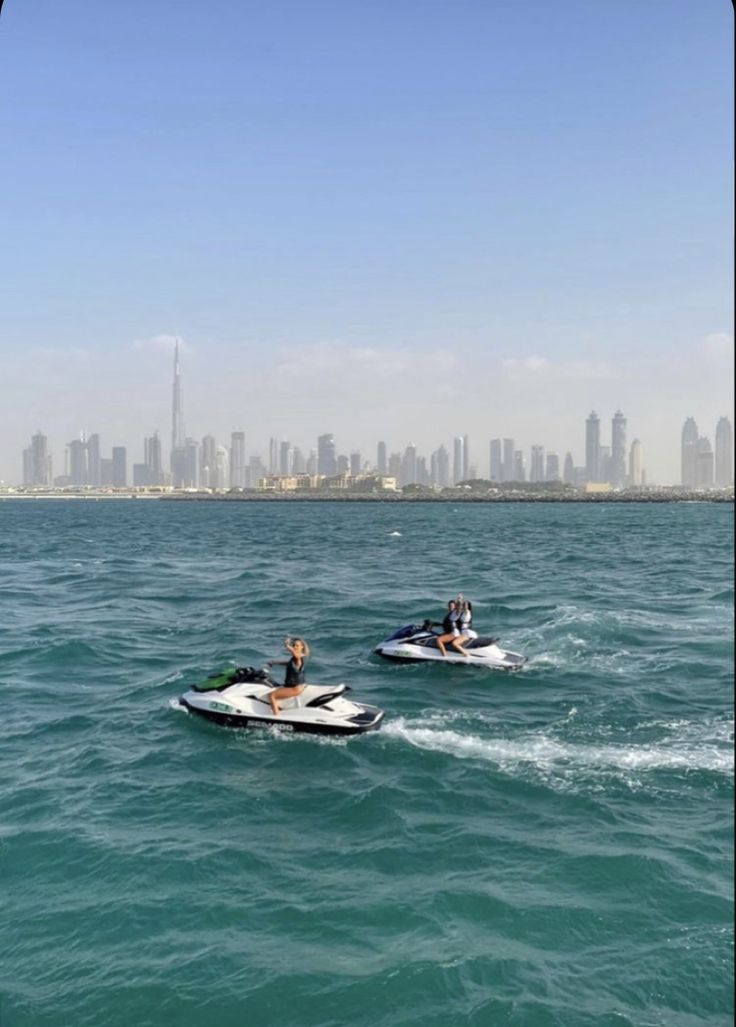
495, 465
208, 462
152, 459
536, 467
509, 461
355, 464
518, 470
724, 453
592, 447
119, 467
77, 449
457, 459
689, 453
273, 456
552, 472
618, 450
381, 459
177, 428
409, 465
237, 460
326, 458
466, 458
93, 460
704, 464
635, 478
286, 458
37, 461
443, 468
568, 473
191, 464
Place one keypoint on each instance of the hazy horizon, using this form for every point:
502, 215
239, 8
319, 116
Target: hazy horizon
398, 223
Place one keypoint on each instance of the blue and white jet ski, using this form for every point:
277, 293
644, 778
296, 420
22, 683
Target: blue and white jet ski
419, 642
239, 698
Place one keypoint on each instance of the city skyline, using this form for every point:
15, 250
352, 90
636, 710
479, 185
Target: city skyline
208, 463
376, 237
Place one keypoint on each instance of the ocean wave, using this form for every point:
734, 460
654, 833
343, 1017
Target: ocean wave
548, 753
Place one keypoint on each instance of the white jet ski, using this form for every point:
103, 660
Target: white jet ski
419, 642
239, 698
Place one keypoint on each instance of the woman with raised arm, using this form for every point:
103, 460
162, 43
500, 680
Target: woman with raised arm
294, 678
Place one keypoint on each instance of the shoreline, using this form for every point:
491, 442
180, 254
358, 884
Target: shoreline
663, 496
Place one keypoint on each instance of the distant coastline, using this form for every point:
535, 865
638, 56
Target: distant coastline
456, 495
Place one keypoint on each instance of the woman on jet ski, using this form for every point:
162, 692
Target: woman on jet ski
451, 630
294, 678
465, 619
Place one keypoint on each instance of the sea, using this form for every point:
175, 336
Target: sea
550, 848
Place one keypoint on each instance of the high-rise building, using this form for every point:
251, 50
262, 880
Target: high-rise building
536, 467
256, 469
208, 462
37, 461
152, 459
77, 450
223, 468
300, 464
93, 460
458, 459
592, 447
495, 465
568, 472
355, 465
618, 450
509, 460
394, 466
286, 458
326, 458
635, 472
191, 464
312, 462
466, 458
704, 464
381, 459
343, 464
119, 467
409, 465
443, 468
177, 425
237, 460
724, 453
518, 470
552, 472
689, 453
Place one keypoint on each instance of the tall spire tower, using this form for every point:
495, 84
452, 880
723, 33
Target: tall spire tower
177, 430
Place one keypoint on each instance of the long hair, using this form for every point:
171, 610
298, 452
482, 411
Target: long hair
304, 645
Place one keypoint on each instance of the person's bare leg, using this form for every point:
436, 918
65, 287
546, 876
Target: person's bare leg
441, 639
457, 644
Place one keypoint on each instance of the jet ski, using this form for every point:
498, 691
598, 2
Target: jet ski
238, 697
419, 642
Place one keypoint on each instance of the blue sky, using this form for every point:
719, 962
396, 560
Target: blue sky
401, 220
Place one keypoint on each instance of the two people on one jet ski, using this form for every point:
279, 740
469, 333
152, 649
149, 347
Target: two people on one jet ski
452, 624
294, 678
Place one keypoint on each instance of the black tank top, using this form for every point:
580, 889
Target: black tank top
294, 675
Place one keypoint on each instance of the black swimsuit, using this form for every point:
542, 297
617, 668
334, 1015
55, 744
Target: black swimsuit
294, 675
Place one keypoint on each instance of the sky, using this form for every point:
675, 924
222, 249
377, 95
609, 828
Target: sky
399, 220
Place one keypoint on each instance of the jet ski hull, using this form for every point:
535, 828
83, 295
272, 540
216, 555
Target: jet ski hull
422, 645
373, 719
243, 703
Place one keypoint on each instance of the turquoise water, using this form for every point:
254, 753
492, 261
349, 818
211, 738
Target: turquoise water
546, 848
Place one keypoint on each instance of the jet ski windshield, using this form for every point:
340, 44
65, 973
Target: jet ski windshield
406, 632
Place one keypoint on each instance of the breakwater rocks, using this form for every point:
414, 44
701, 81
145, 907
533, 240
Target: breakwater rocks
411, 494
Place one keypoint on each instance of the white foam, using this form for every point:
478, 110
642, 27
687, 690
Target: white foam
551, 754
395, 534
